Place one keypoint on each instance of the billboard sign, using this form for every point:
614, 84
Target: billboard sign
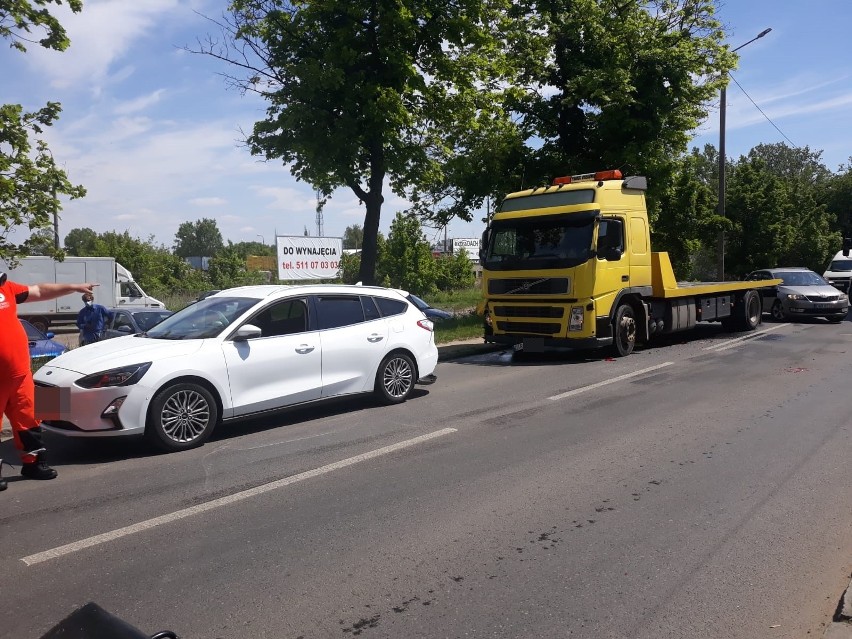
469, 245
308, 258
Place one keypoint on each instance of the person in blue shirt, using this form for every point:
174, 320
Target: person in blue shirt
92, 320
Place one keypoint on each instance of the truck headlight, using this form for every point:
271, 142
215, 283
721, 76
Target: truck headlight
576, 322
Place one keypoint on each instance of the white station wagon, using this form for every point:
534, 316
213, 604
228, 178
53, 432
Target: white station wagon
240, 352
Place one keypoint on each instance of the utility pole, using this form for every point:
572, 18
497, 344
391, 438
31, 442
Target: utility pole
720, 264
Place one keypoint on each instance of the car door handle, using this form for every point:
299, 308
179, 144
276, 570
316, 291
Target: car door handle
304, 349
375, 338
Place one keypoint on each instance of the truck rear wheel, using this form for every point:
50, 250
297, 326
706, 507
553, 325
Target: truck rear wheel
624, 331
746, 313
41, 323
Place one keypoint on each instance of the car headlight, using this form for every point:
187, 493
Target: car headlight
124, 376
795, 296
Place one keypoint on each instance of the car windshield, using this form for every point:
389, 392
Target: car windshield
554, 241
418, 302
801, 278
146, 320
840, 265
207, 318
33, 334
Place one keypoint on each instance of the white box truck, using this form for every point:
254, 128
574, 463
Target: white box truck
115, 287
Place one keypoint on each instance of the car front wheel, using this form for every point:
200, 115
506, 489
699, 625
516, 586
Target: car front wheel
181, 417
778, 312
395, 378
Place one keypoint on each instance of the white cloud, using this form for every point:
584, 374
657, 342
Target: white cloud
208, 201
139, 104
101, 34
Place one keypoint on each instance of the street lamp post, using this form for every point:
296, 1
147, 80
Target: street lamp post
720, 267
262, 240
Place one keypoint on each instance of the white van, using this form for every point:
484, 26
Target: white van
839, 272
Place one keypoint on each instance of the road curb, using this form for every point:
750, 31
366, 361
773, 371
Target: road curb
465, 348
842, 628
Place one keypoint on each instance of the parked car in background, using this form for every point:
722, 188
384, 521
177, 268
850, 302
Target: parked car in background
803, 293
244, 352
42, 344
127, 321
839, 272
434, 314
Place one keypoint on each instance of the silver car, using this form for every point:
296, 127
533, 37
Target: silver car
803, 293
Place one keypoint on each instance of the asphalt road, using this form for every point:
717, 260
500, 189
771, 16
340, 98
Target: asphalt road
697, 489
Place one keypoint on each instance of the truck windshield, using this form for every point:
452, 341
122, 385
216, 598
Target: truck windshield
840, 265
542, 242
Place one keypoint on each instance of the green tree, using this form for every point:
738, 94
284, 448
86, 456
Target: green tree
228, 268
453, 272
837, 197
201, 238
364, 94
353, 237
19, 17
41, 242
597, 85
81, 241
776, 221
407, 260
30, 181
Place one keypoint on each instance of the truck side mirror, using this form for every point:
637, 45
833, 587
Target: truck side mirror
611, 254
483, 247
847, 246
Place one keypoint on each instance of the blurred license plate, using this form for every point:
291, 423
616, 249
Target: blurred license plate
821, 306
52, 402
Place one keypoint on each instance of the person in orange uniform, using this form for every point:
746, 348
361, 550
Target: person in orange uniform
17, 391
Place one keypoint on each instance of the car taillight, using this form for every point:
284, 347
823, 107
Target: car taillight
426, 324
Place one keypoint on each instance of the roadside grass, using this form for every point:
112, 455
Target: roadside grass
461, 327
461, 300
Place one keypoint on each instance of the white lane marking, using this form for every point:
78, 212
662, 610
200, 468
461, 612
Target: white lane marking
224, 501
583, 389
722, 346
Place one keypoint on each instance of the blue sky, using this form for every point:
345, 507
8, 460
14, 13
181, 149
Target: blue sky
153, 132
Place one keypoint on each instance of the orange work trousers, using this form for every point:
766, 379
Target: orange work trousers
17, 402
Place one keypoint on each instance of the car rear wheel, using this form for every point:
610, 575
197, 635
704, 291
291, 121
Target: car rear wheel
395, 378
181, 417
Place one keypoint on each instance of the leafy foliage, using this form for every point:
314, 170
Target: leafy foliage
363, 93
353, 237
19, 17
29, 178
228, 268
201, 238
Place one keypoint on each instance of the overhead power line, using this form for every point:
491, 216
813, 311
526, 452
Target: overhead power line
768, 119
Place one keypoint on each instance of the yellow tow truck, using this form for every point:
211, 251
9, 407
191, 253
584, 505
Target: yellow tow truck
570, 266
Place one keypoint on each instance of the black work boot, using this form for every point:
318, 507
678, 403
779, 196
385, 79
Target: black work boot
38, 469
3, 483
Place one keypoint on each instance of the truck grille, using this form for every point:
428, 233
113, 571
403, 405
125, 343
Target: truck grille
529, 286
529, 311
537, 328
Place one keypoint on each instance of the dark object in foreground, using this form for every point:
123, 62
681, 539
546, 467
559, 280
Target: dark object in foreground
93, 622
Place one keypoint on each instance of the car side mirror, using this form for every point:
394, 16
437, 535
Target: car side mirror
247, 332
124, 329
50, 335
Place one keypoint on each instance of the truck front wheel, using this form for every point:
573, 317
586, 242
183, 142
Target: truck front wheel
624, 331
41, 323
